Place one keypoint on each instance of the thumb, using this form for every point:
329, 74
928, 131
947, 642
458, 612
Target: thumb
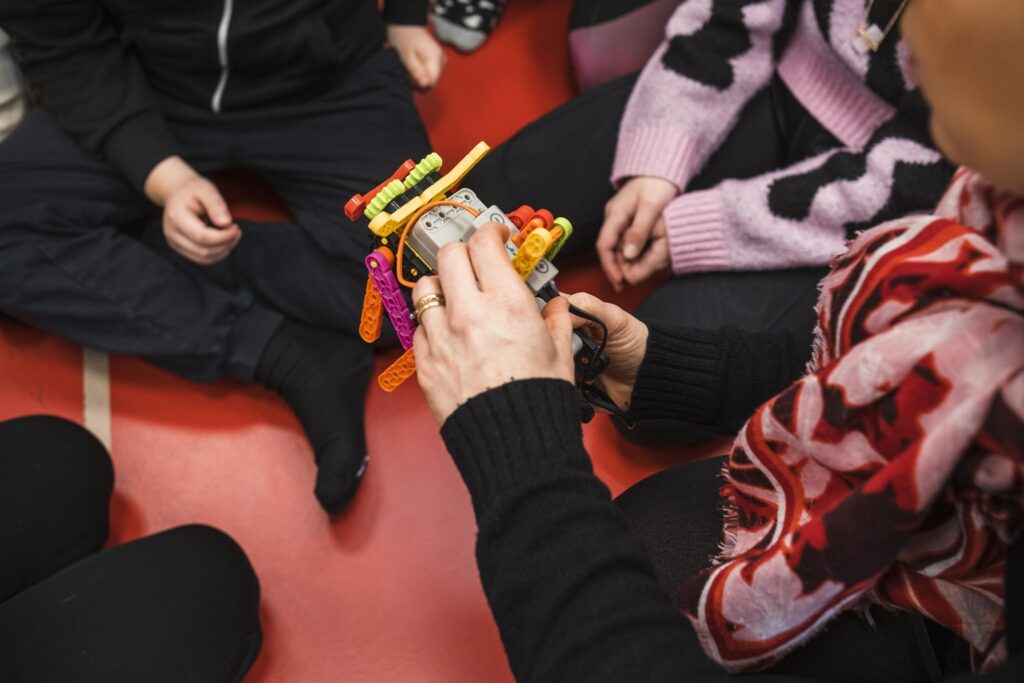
214, 206
433, 62
587, 302
417, 69
635, 238
614, 317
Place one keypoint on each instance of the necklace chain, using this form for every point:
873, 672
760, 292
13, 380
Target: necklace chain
870, 37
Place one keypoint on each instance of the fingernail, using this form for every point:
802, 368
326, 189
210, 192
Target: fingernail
629, 251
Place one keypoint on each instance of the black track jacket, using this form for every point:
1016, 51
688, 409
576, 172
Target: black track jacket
96, 64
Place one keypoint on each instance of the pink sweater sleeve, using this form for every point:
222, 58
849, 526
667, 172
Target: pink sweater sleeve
803, 215
714, 60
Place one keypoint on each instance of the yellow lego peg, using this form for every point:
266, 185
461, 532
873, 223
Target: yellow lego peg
399, 371
532, 251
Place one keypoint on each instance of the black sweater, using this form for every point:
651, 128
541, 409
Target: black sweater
574, 595
98, 63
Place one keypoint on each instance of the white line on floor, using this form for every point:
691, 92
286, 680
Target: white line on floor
96, 393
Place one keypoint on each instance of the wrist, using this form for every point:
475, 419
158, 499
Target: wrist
513, 434
680, 376
620, 382
166, 178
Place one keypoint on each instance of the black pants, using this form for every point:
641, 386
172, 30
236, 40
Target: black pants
71, 263
563, 162
181, 605
676, 516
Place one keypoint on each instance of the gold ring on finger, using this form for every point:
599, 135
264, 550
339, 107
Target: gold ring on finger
427, 302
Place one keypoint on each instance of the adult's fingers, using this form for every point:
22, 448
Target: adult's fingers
432, 321
421, 346
455, 271
586, 302
559, 324
213, 204
490, 259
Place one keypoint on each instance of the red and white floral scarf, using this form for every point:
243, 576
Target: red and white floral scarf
893, 471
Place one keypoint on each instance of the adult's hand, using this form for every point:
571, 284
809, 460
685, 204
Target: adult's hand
420, 53
626, 347
490, 331
197, 223
630, 219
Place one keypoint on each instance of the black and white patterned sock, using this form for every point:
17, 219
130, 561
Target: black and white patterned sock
465, 24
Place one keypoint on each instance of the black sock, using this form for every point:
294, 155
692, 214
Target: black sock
323, 376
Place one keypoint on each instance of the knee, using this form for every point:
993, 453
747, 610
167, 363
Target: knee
214, 561
191, 599
662, 433
215, 578
70, 467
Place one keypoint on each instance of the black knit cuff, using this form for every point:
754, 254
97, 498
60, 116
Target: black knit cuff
680, 376
514, 434
405, 12
140, 143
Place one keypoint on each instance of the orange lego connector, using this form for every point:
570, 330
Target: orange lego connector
399, 371
371, 320
541, 219
520, 216
546, 216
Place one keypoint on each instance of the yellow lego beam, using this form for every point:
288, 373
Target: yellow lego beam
386, 223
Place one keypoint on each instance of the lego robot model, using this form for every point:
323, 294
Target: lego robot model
413, 214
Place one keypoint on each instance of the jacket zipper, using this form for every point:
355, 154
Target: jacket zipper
222, 55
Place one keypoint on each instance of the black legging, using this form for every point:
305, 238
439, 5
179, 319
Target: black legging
563, 162
676, 515
181, 605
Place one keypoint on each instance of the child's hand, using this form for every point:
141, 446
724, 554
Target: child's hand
652, 260
420, 53
630, 230
197, 222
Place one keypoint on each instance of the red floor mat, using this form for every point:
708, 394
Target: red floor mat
388, 592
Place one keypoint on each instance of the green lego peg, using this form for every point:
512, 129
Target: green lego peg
393, 189
566, 227
430, 164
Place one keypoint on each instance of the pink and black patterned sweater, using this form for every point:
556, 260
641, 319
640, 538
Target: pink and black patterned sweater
717, 55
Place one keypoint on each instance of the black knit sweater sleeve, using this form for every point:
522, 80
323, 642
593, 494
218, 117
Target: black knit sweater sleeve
573, 593
411, 12
71, 53
715, 379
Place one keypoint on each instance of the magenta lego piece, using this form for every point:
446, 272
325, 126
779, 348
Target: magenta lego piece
394, 303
